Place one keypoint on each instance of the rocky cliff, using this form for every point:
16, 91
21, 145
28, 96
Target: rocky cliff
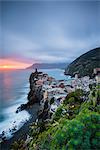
85, 64
35, 94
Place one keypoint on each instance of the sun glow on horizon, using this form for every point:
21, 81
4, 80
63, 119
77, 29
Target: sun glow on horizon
5, 66
11, 64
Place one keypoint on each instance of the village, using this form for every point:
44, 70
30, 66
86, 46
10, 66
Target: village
51, 93
55, 91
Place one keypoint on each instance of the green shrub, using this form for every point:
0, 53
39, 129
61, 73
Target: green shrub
78, 131
74, 96
58, 113
82, 132
71, 100
18, 145
52, 100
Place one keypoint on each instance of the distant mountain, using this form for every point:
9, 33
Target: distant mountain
85, 64
47, 66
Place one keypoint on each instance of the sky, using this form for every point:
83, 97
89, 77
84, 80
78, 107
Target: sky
49, 31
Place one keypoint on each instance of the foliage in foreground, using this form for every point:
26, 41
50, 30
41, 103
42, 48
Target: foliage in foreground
74, 126
78, 133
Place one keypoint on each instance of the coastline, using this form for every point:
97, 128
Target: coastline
50, 94
23, 131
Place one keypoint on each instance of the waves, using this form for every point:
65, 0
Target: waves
13, 121
15, 91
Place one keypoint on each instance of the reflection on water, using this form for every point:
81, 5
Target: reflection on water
14, 86
7, 86
12, 83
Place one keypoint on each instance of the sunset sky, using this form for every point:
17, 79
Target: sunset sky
47, 31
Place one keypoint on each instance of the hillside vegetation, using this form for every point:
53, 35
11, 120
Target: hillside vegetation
74, 126
85, 64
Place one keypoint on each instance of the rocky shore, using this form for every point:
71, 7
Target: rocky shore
23, 131
49, 93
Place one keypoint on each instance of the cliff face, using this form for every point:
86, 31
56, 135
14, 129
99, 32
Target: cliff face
35, 94
85, 64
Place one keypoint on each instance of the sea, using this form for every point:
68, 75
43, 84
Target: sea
14, 87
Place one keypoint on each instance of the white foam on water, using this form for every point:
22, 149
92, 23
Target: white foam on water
14, 121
